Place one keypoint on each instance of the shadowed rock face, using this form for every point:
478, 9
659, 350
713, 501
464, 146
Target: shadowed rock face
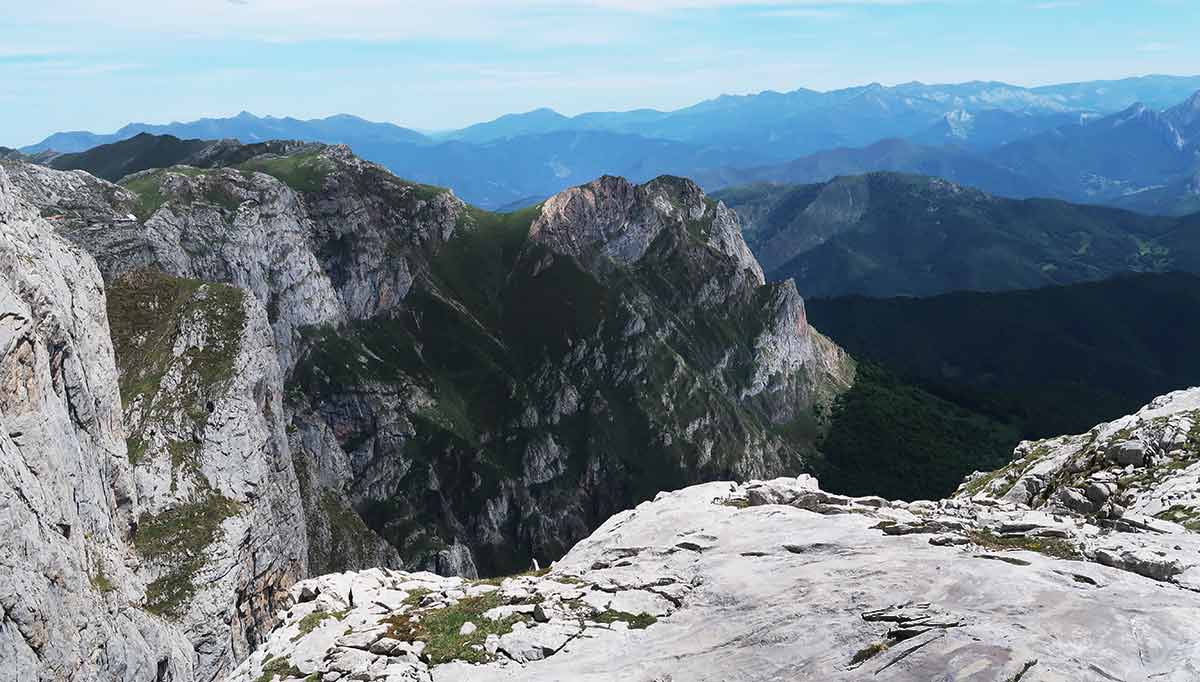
324, 367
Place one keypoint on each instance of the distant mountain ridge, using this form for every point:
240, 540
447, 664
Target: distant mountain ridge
984, 134
1140, 158
245, 127
887, 234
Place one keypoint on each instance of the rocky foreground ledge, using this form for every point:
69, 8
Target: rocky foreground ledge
780, 580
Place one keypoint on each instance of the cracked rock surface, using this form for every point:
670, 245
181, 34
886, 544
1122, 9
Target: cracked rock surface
779, 580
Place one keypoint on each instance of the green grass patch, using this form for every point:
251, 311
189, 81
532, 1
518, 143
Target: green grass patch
1188, 517
176, 539
145, 311
439, 629
277, 667
1052, 547
304, 172
100, 580
148, 188
313, 620
636, 621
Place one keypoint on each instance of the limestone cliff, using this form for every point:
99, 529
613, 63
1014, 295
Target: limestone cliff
166, 473
69, 591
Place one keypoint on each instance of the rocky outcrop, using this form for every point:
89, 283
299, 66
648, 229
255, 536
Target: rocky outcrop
1138, 471
68, 501
770, 580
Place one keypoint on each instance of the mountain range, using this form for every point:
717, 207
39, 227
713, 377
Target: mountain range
951, 130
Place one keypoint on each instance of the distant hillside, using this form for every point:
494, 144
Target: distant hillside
1051, 360
1142, 158
887, 234
141, 152
1114, 158
892, 155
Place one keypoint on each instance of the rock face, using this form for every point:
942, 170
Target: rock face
184, 501
774, 580
68, 500
479, 389
221, 527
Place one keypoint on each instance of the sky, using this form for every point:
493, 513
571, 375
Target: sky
435, 65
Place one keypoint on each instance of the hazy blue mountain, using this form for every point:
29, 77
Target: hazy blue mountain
951, 163
781, 125
1155, 91
512, 125
248, 128
990, 128
72, 141
1108, 158
888, 234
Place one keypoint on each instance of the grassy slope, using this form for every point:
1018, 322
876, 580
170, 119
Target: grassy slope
890, 438
919, 238
1050, 361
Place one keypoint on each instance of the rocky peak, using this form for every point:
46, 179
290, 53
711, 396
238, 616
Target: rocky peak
1186, 117
617, 220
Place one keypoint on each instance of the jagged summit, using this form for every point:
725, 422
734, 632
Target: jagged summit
618, 220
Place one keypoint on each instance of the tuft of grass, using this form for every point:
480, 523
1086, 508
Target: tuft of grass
100, 580
638, 621
176, 539
1052, 547
439, 629
313, 620
1188, 517
277, 667
867, 653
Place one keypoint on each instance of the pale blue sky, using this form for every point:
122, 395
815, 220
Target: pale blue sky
98, 64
